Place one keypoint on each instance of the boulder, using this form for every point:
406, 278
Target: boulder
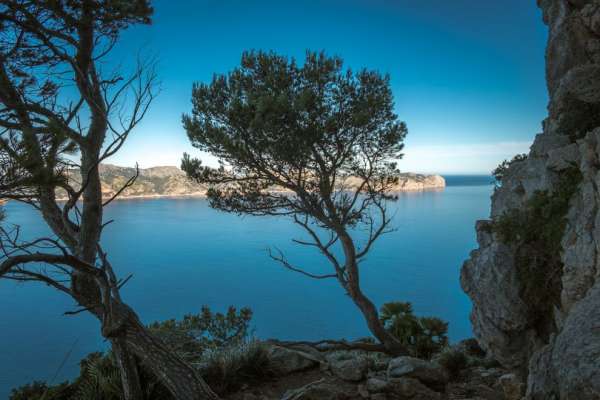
512, 386
376, 385
351, 370
321, 390
429, 373
413, 389
286, 361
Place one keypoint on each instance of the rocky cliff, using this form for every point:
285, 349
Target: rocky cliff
172, 182
535, 279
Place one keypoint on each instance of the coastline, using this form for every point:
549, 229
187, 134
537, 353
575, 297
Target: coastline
202, 195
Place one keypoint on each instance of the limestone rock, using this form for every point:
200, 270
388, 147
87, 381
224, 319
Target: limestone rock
576, 353
320, 390
409, 388
286, 361
351, 370
560, 361
512, 386
376, 385
429, 373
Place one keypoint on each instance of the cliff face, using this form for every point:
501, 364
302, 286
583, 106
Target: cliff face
535, 279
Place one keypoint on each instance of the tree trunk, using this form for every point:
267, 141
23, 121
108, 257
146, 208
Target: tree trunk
364, 304
369, 311
181, 379
128, 369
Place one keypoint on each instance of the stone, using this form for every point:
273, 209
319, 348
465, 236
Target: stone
375, 385
351, 370
512, 386
413, 389
429, 373
320, 390
363, 392
286, 361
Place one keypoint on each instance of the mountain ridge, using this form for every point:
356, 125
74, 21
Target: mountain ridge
170, 181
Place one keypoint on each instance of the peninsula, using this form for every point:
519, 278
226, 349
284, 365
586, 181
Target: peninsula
170, 181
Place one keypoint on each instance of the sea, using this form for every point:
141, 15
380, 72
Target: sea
182, 254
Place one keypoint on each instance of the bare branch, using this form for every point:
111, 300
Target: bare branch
281, 259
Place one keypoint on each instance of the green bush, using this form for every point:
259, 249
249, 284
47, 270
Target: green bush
41, 391
500, 172
99, 378
216, 343
453, 361
228, 369
196, 333
423, 336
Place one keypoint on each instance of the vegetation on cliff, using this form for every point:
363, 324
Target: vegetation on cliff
536, 232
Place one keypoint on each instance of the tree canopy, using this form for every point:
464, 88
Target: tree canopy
311, 141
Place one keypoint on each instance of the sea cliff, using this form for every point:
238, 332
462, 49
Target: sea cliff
535, 278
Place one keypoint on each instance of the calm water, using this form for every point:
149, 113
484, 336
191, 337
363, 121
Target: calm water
184, 255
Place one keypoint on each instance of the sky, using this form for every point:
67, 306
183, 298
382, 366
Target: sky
467, 75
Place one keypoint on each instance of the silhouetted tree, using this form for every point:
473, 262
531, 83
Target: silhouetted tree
312, 142
59, 104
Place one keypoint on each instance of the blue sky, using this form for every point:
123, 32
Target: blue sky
467, 75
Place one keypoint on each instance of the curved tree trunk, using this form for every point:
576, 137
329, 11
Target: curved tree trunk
371, 315
181, 379
364, 304
128, 369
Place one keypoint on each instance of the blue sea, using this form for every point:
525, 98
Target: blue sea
183, 254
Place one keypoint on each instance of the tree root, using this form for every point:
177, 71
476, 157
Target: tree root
332, 345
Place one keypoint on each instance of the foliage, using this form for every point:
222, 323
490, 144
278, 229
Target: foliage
99, 378
310, 141
271, 123
536, 230
453, 361
228, 369
423, 336
196, 333
41, 391
216, 343
500, 172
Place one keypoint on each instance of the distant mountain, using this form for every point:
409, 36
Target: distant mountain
151, 182
172, 182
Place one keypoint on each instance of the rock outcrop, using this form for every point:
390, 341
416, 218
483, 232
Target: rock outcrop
359, 375
535, 278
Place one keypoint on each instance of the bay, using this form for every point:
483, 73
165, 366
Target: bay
183, 255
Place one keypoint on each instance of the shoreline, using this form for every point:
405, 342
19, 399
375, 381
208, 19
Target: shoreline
199, 195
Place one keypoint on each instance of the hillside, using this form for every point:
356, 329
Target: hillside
172, 182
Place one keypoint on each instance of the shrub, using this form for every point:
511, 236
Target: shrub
41, 391
217, 342
196, 333
500, 172
228, 369
99, 378
453, 361
423, 336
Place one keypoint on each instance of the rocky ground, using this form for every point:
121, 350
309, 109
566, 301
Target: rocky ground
305, 373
